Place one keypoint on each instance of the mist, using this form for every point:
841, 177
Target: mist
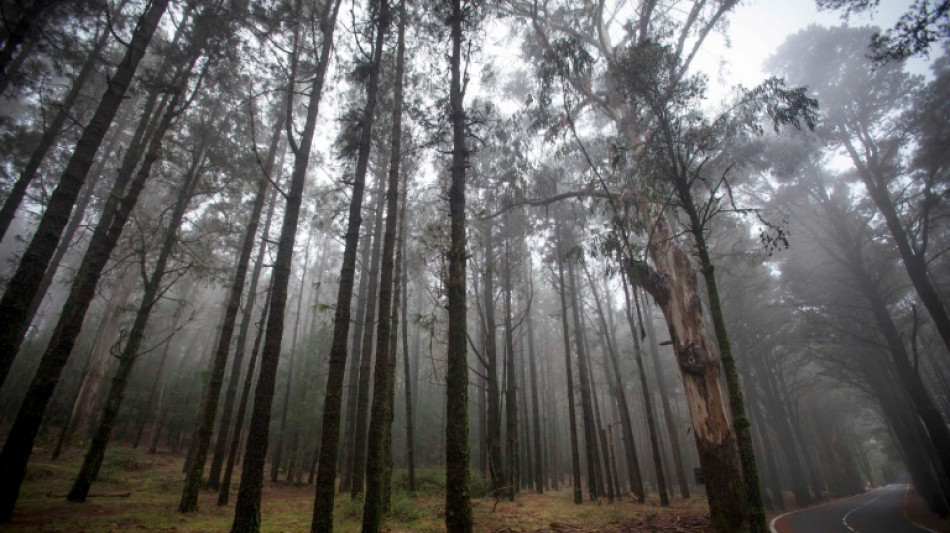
474, 266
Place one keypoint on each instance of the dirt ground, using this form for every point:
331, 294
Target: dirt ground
138, 492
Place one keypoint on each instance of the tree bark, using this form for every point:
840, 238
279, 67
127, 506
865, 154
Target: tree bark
673, 286
575, 455
380, 424
247, 509
458, 506
220, 448
22, 287
225, 487
130, 353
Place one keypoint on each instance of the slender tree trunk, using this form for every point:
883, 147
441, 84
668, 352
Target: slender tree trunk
346, 464
673, 286
671, 429
626, 424
493, 423
330, 433
22, 287
19, 445
647, 400
130, 353
914, 260
189, 497
247, 510
458, 506
511, 385
571, 405
407, 373
535, 407
750, 474
358, 454
221, 446
278, 451
380, 425
587, 408
18, 190
224, 489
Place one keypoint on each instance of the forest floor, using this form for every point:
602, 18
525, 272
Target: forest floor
140, 492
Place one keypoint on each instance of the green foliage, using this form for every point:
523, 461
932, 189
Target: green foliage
121, 461
403, 507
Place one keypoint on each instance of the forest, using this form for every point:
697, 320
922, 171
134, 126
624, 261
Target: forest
468, 265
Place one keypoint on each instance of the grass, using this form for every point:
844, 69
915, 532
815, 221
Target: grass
155, 482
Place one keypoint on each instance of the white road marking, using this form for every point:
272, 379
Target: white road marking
777, 518
844, 519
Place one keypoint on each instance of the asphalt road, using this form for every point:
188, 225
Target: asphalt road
878, 511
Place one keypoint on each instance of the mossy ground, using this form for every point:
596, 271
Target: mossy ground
154, 483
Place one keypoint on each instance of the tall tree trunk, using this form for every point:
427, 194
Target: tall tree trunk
224, 489
587, 408
671, 429
279, 450
225, 429
330, 433
247, 509
673, 286
346, 465
535, 406
358, 455
571, 404
512, 451
626, 424
18, 190
189, 495
22, 287
378, 453
17, 449
407, 373
458, 506
496, 469
130, 353
915, 261
647, 399
750, 473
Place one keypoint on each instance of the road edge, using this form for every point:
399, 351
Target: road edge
906, 516
783, 515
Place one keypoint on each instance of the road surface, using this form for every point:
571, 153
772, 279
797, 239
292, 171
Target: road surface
878, 511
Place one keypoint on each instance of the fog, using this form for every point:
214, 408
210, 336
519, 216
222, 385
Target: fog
413, 266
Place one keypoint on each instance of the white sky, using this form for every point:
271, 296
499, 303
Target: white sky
758, 27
